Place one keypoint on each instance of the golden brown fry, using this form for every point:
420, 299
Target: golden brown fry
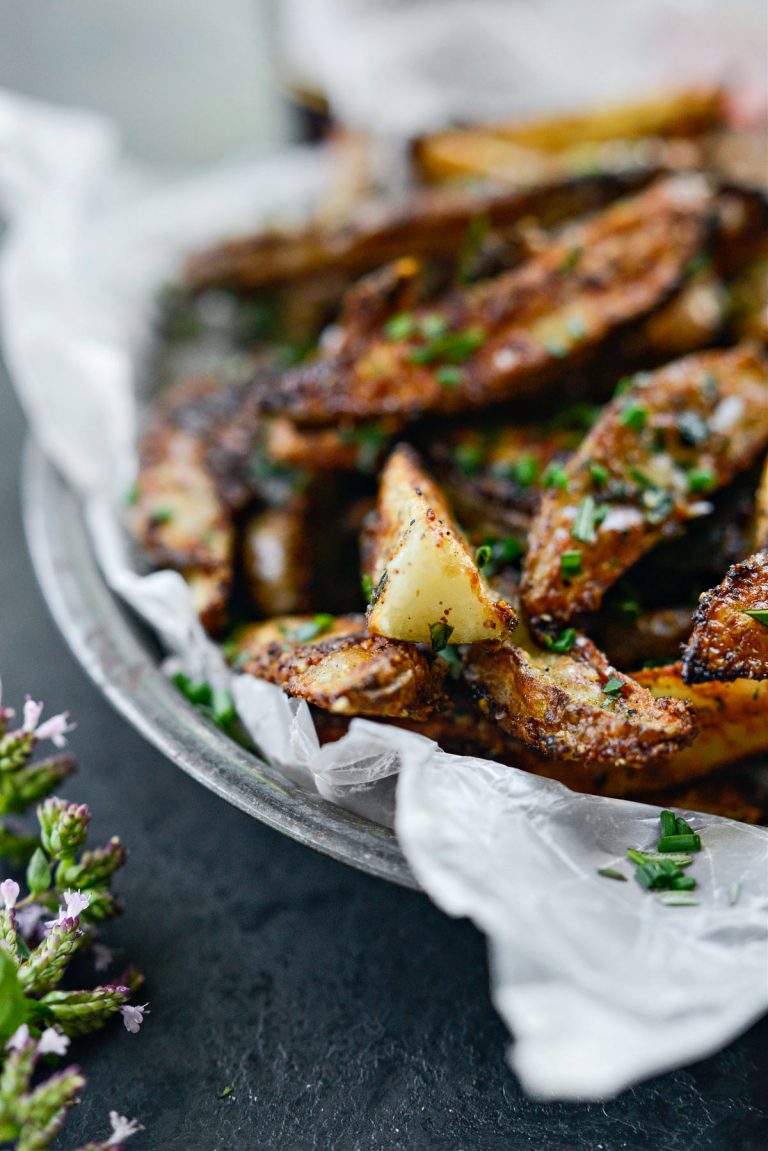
506, 336
728, 641
575, 706
646, 468
341, 668
427, 583
426, 224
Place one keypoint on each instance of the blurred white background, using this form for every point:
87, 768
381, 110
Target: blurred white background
193, 80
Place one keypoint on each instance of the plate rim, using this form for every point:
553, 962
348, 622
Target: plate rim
105, 639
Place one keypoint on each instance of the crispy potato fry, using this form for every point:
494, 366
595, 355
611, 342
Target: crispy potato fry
337, 666
645, 469
507, 336
575, 705
425, 224
728, 640
427, 583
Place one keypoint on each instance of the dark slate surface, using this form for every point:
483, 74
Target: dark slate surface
345, 1013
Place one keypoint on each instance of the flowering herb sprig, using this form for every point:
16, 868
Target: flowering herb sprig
68, 893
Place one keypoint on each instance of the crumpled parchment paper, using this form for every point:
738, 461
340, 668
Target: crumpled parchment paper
600, 984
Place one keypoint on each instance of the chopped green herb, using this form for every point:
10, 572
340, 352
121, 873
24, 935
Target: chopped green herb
677, 899
658, 505
310, 629
367, 585
676, 858
697, 264
379, 587
579, 416
613, 687
225, 1093
598, 473
555, 476
525, 470
477, 230
563, 643
453, 659
588, 515
692, 428
734, 891
758, 613
483, 555
195, 692
611, 873
469, 458
624, 385
700, 480
162, 515
683, 883
131, 497
668, 822
370, 439
685, 843
655, 874
570, 564
451, 347
449, 377
503, 551
223, 707
439, 634
433, 326
634, 416
400, 327
681, 827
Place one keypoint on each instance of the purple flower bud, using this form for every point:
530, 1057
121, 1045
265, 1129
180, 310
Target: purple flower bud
133, 1017
9, 890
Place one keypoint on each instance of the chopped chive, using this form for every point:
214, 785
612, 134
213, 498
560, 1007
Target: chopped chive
679, 843
598, 473
681, 827
613, 687
483, 555
162, 515
469, 458
676, 858
194, 692
623, 386
433, 326
400, 327
131, 497
367, 585
700, 479
223, 707
525, 470
555, 476
611, 873
668, 822
683, 883
503, 551
448, 376
563, 643
453, 659
734, 891
570, 564
692, 428
677, 899
439, 634
758, 613
587, 516
310, 629
634, 416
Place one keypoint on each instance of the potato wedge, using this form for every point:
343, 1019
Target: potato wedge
730, 632
427, 584
646, 468
576, 706
506, 336
335, 665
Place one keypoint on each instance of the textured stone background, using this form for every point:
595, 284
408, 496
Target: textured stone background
346, 1014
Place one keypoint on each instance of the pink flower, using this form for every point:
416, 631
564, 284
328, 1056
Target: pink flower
52, 1042
133, 1017
122, 1128
19, 1039
75, 902
102, 956
9, 890
54, 728
28, 919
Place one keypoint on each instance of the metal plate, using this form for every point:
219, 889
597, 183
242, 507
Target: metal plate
122, 658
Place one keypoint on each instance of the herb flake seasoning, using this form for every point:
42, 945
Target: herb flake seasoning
311, 629
588, 515
760, 614
439, 634
562, 643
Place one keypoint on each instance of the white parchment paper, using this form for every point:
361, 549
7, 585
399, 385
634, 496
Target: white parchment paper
600, 984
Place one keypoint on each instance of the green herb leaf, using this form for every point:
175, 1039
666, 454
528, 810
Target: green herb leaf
587, 516
734, 891
449, 376
439, 634
700, 480
453, 659
367, 585
38, 872
677, 899
685, 843
162, 515
311, 629
483, 555
132, 495
634, 416
613, 687
503, 552
611, 873
400, 327
555, 476
624, 385
758, 613
570, 564
469, 458
14, 1006
668, 822
563, 643
525, 470
598, 473
433, 326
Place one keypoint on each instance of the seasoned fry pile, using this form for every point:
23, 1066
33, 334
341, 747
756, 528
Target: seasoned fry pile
487, 463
